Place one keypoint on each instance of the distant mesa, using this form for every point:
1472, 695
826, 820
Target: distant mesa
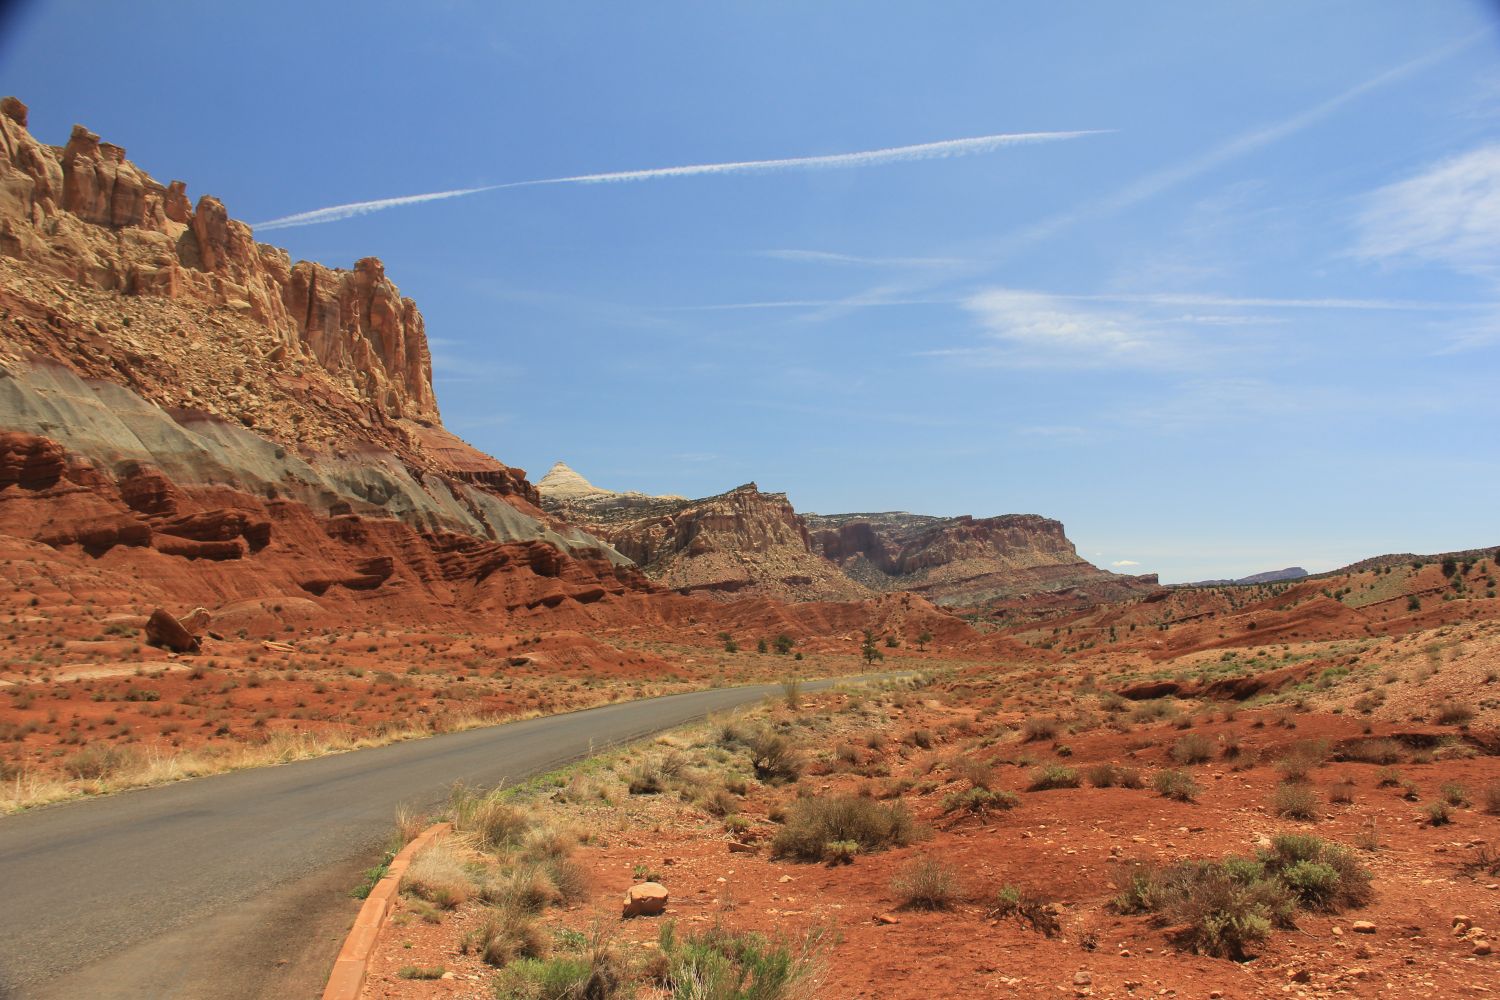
1270, 576
745, 541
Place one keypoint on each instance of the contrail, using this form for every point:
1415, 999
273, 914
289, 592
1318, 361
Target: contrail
866, 158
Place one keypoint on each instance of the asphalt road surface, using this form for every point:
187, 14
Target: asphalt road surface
237, 885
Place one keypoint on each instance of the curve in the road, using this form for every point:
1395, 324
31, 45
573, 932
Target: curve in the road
93, 894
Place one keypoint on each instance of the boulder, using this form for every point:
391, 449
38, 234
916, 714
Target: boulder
645, 899
164, 630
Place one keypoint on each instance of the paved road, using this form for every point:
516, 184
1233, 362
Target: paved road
237, 885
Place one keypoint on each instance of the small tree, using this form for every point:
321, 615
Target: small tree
869, 650
760, 645
784, 644
923, 640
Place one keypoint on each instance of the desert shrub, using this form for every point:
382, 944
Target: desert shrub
1220, 908
1350, 889
646, 778
1301, 759
1387, 777
1454, 713
1028, 906
720, 964
1177, 785
437, 875
1226, 907
1129, 777
1151, 711
1053, 776
1036, 729
924, 883
979, 801
598, 972
1194, 748
98, 762
775, 759
1341, 791
1295, 801
813, 823
1491, 798
719, 803
505, 936
1102, 775
1439, 813
1453, 793
978, 773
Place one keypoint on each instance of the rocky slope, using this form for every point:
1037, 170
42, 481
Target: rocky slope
736, 543
963, 561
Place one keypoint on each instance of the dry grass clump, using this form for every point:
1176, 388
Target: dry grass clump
437, 874
1377, 751
979, 801
1178, 785
1194, 748
721, 964
814, 823
1295, 801
1453, 713
506, 935
492, 822
1301, 759
594, 971
1490, 798
1052, 776
1036, 729
924, 883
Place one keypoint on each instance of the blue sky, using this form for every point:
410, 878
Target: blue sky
1253, 321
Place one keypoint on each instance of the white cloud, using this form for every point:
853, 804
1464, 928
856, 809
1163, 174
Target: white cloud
1124, 562
1033, 328
1448, 214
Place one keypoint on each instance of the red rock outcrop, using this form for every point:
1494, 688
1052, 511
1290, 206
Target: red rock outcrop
738, 543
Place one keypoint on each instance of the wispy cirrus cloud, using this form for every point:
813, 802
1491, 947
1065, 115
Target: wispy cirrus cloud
827, 257
943, 149
1448, 214
1161, 181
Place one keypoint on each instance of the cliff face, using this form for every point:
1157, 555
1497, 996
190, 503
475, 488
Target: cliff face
963, 561
736, 543
140, 331
85, 213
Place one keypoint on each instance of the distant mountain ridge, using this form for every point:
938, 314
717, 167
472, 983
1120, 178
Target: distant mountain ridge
745, 540
1270, 576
